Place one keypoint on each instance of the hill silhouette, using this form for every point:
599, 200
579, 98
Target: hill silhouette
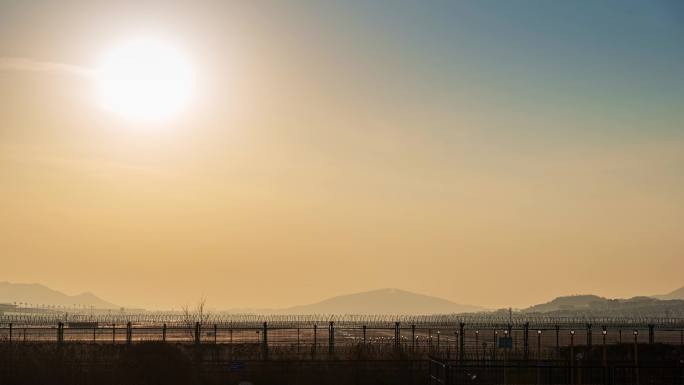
572, 302
37, 294
382, 301
675, 294
592, 305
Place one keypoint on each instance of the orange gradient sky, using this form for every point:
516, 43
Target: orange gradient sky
457, 150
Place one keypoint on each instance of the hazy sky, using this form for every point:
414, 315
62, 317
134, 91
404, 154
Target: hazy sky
493, 153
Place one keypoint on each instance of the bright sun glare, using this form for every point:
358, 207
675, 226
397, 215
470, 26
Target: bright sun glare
145, 80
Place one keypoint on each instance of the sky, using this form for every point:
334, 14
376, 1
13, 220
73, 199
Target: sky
489, 152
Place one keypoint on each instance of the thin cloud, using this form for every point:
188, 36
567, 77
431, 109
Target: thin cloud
25, 64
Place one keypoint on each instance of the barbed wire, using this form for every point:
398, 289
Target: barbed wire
472, 320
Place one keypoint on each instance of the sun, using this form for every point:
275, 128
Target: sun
145, 80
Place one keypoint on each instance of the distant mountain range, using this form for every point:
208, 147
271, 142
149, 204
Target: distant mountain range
382, 301
37, 295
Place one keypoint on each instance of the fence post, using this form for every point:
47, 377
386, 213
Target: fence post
60, 332
589, 335
477, 345
413, 337
198, 332
526, 340
315, 341
651, 334
10, 333
557, 339
397, 335
461, 341
113, 333
215, 332
265, 341
331, 338
129, 332
164, 332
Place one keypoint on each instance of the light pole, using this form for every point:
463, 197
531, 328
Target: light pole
636, 337
605, 359
572, 356
458, 353
496, 339
572, 342
505, 356
539, 333
636, 357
